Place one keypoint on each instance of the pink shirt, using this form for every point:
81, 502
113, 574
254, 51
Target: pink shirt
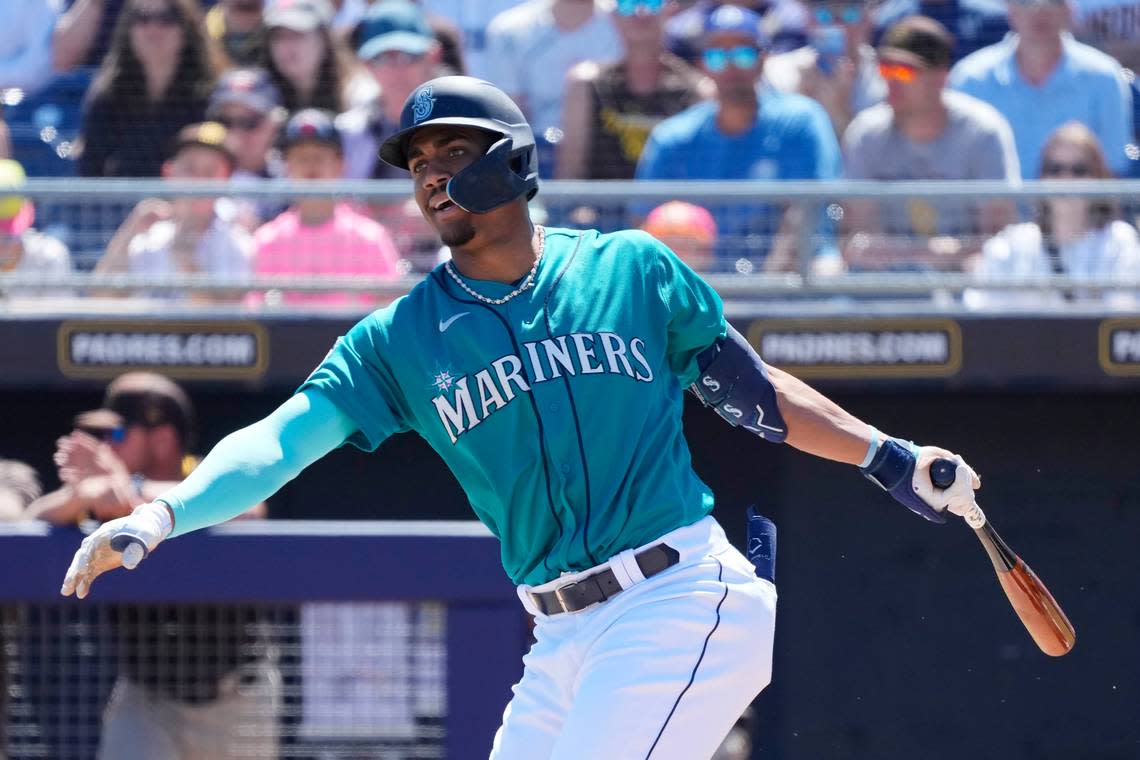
349, 243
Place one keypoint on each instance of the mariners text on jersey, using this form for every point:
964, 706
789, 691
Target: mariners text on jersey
558, 410
461, 407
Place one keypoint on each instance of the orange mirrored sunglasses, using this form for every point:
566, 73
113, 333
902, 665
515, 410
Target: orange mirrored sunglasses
899, 72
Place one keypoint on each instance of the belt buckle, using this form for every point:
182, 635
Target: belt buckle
559, 594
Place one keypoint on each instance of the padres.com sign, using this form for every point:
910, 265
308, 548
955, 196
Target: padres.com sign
182, 349
860, 348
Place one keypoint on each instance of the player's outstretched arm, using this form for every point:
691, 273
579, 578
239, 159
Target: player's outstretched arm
748, 393
246, 467
816, 424
819, 426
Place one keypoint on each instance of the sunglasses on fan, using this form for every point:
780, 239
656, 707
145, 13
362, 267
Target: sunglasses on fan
630, 7
742, 57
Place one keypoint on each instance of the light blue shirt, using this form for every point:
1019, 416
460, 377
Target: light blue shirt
1087, 86
792, 138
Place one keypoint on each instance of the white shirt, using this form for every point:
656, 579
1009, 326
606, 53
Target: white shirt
43, 255
25, 43
529, 56
472, 18
225, 248
1019, 251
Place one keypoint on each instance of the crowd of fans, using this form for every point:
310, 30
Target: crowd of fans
253, 90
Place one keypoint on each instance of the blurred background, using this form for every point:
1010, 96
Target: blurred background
926, 209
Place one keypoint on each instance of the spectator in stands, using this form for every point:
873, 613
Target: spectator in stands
23, 249
236, 26
25, 46
249, 106
322, 236
186, 235
610, 108
924, 131
308, 63
399, 50
185, 692
471, 20
1111, 26
689, 231
784, 22
19, 487
1040, 77
837, 65
531, 48
155, 80
450, 41
116, 456
743, 135
1080, 237
346, 16
83, 34
974, 23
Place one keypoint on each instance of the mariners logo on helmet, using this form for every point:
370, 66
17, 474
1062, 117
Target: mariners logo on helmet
508, 169
421, 109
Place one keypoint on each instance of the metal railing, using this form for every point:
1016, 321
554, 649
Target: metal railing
92, 208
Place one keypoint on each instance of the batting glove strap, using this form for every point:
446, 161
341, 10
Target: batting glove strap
892, 469
147, 525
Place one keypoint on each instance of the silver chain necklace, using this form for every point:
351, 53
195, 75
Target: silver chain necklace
526, 284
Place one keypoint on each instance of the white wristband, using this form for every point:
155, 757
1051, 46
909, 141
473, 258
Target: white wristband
158, 514
872, 447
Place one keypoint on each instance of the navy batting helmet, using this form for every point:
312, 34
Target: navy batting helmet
509, 168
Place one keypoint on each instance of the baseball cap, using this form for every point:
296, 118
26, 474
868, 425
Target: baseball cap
207, 134
394, 25
919, 41
298, 15
311, 125
16, 212
142, 398
252, 88
681, 219
732, 19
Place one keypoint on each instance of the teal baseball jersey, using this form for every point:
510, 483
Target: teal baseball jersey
559, 411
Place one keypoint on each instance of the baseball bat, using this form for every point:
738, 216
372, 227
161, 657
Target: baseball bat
1031, 600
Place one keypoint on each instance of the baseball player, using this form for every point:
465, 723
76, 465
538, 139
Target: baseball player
546, 368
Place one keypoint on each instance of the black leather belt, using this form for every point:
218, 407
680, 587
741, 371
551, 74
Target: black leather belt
580, 594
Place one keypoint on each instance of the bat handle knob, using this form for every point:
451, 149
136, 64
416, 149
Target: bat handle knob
133, 549
942, 472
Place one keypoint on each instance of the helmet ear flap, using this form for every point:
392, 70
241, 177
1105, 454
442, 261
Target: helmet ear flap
491, 181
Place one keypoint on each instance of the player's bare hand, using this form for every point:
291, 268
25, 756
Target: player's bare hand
124, 542
958, 499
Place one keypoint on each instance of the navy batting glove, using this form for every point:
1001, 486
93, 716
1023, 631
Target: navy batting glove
892, 469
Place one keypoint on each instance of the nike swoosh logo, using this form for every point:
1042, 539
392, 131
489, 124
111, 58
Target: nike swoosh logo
446, 323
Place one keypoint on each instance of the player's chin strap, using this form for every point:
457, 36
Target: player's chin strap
733, 381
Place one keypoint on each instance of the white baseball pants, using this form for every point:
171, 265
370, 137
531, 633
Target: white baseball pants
662, 670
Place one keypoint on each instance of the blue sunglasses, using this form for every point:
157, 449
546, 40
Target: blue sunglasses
107, 435
629, 7
742, 57
849, 14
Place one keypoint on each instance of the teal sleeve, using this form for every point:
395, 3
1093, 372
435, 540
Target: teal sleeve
695, 313
251, 464
355, 377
